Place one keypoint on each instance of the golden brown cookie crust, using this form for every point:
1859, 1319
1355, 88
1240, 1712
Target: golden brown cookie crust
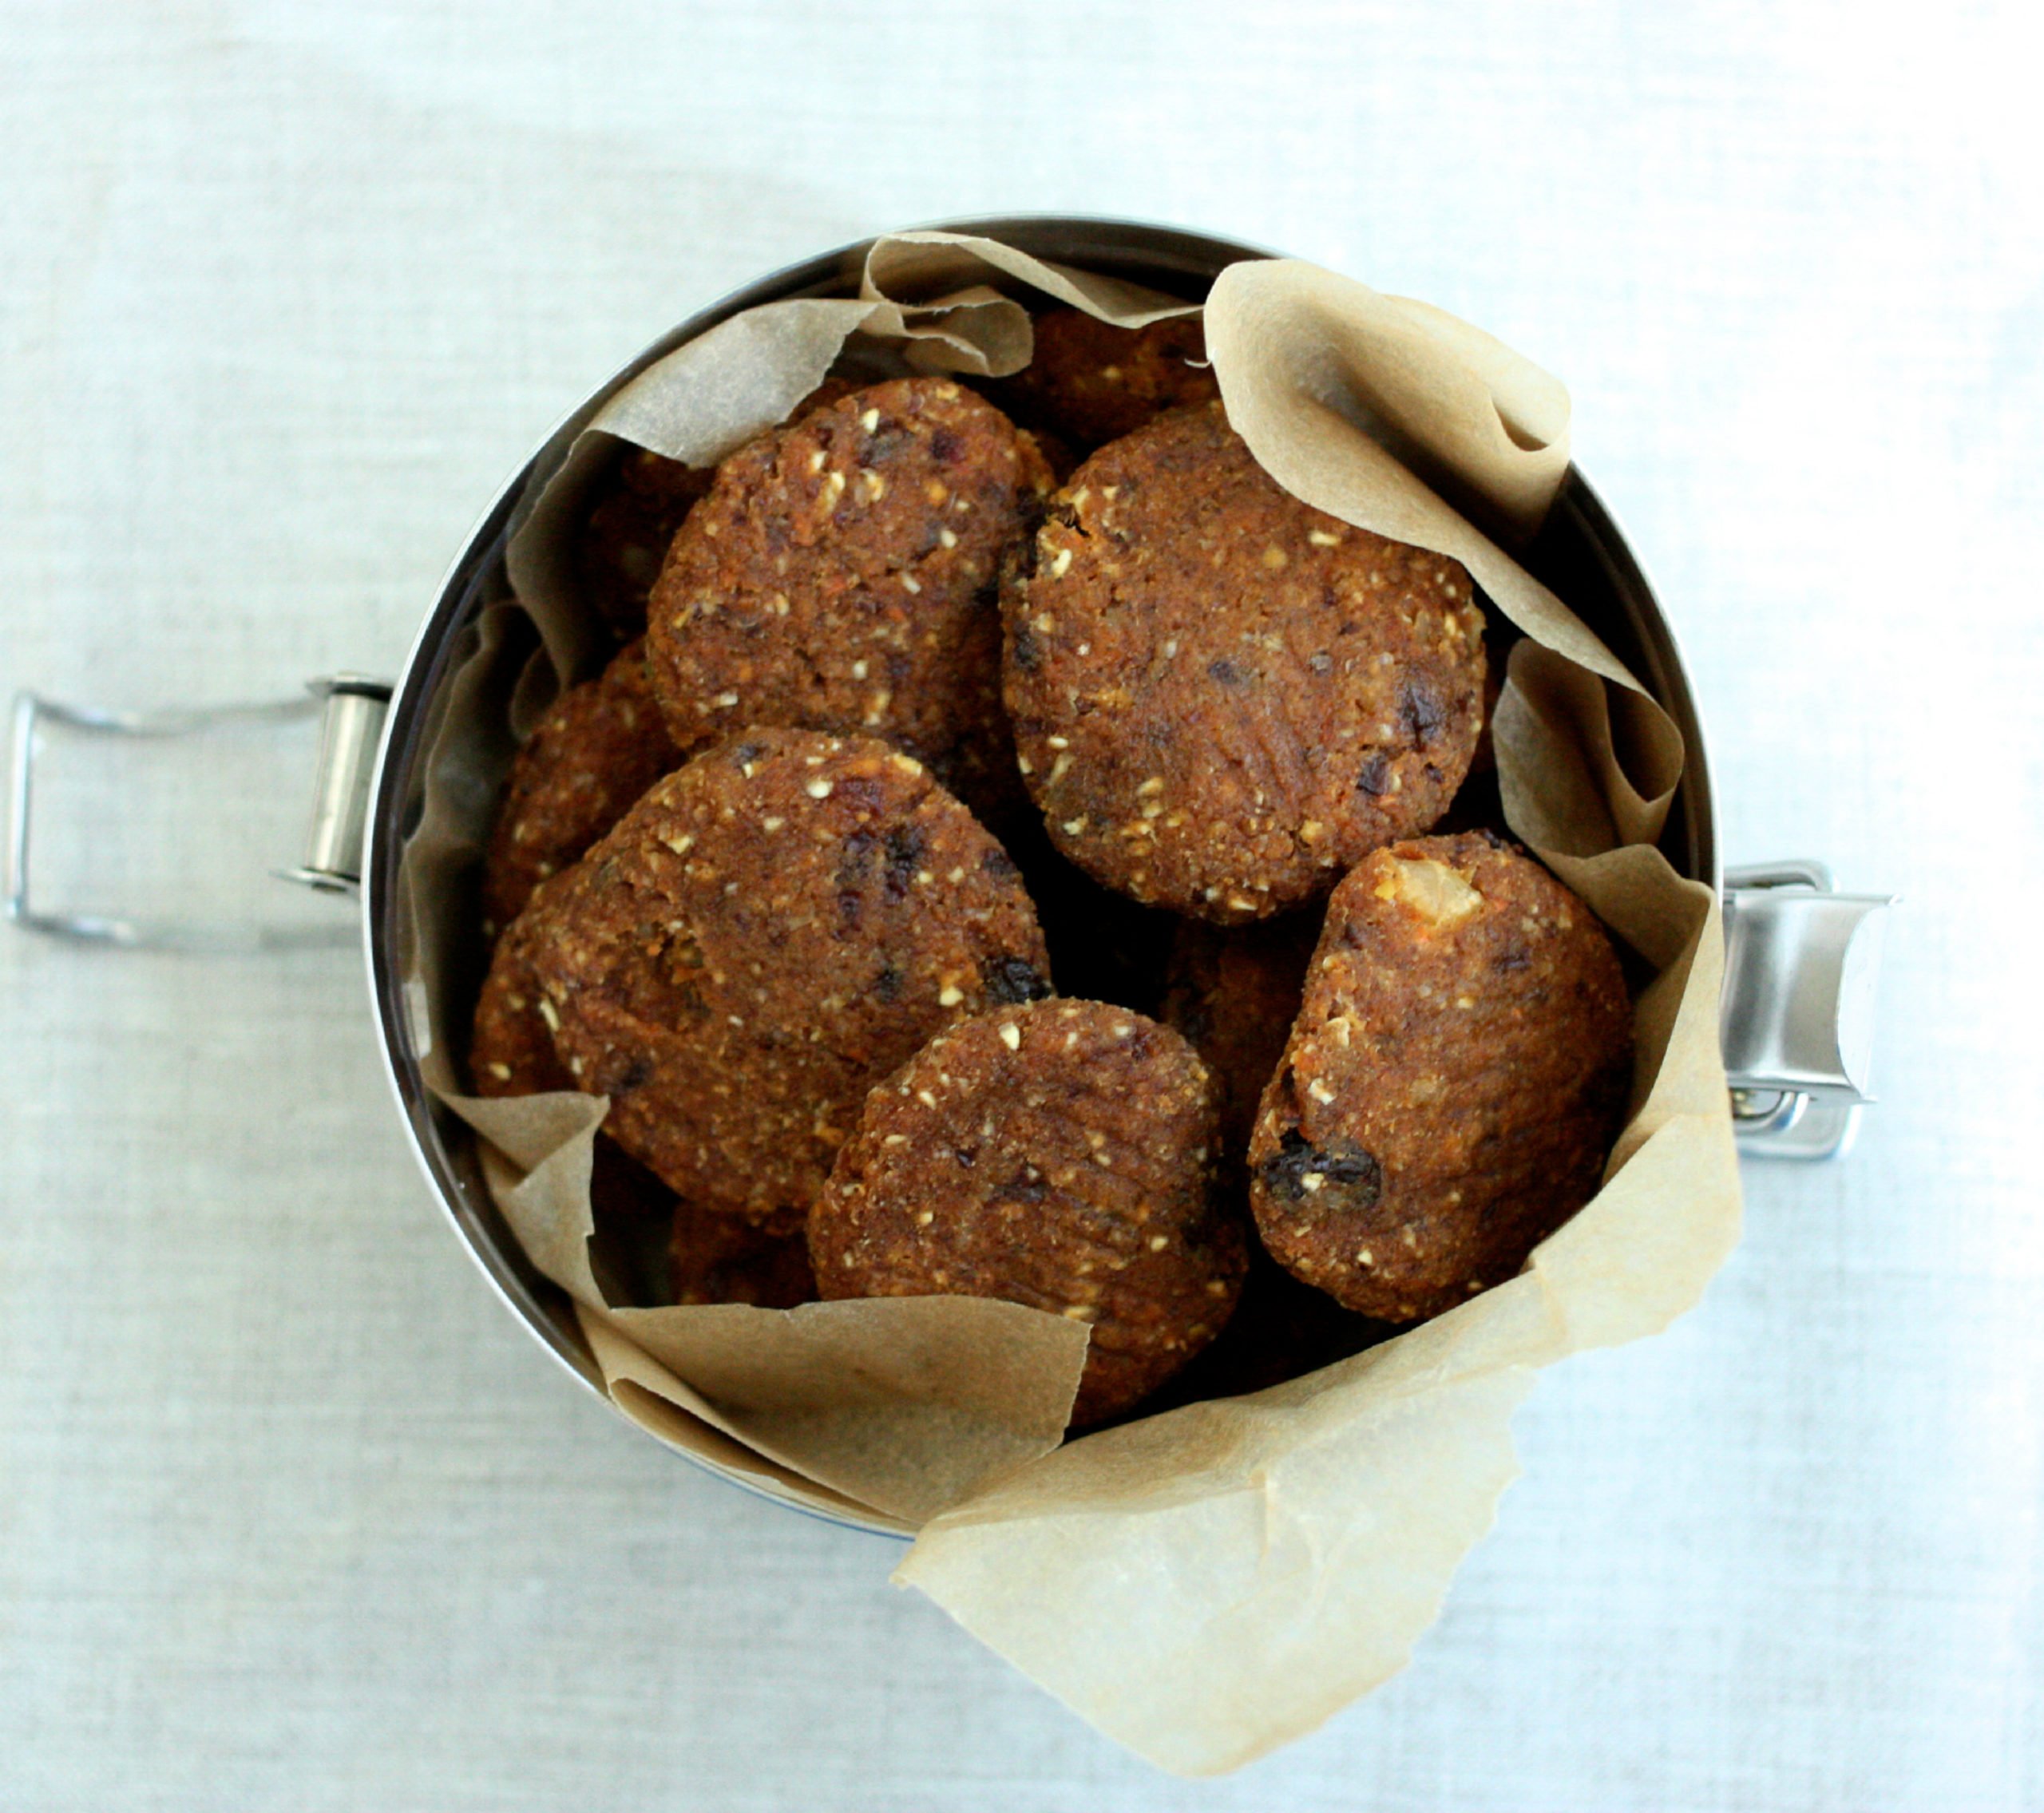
772, 928
1093, 382
602, 745
1223, 697
1452, 1088
841, 576
1059, 1154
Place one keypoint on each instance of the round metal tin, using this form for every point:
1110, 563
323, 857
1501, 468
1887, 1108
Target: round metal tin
1580, 552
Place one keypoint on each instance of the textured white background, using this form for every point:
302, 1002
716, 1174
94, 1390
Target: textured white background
293, 1515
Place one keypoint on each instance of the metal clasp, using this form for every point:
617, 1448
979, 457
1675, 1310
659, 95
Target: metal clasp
1796, 1021
352, 709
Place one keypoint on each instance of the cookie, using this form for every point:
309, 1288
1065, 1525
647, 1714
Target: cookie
510, 1048
718, 1258
774, 928
1281, 1329
841, 576
1453, 1084
1223, 697
1059, 1154
1234, 993
1093, 382
708, 1257
602, 745
636, 508
630, 1213
634, 511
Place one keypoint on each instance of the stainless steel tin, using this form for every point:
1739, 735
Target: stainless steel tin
1789, 944
1580, 552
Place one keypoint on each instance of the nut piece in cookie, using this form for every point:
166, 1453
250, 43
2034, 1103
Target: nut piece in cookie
1093, 382
841, 576
1223, 697
1453, 1083
769, 931
1234, 992
1059, 1154
602, 745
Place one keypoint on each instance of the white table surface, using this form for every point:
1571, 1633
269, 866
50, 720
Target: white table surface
293, 1515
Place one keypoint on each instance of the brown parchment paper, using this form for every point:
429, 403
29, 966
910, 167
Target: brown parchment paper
1207, 1584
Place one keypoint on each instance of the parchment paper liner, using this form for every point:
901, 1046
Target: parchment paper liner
1207, 1584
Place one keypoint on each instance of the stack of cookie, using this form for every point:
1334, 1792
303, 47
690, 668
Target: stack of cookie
997, 862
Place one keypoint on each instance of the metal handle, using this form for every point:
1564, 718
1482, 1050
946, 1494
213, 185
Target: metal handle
352, 708
349, 736
1796, 1021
